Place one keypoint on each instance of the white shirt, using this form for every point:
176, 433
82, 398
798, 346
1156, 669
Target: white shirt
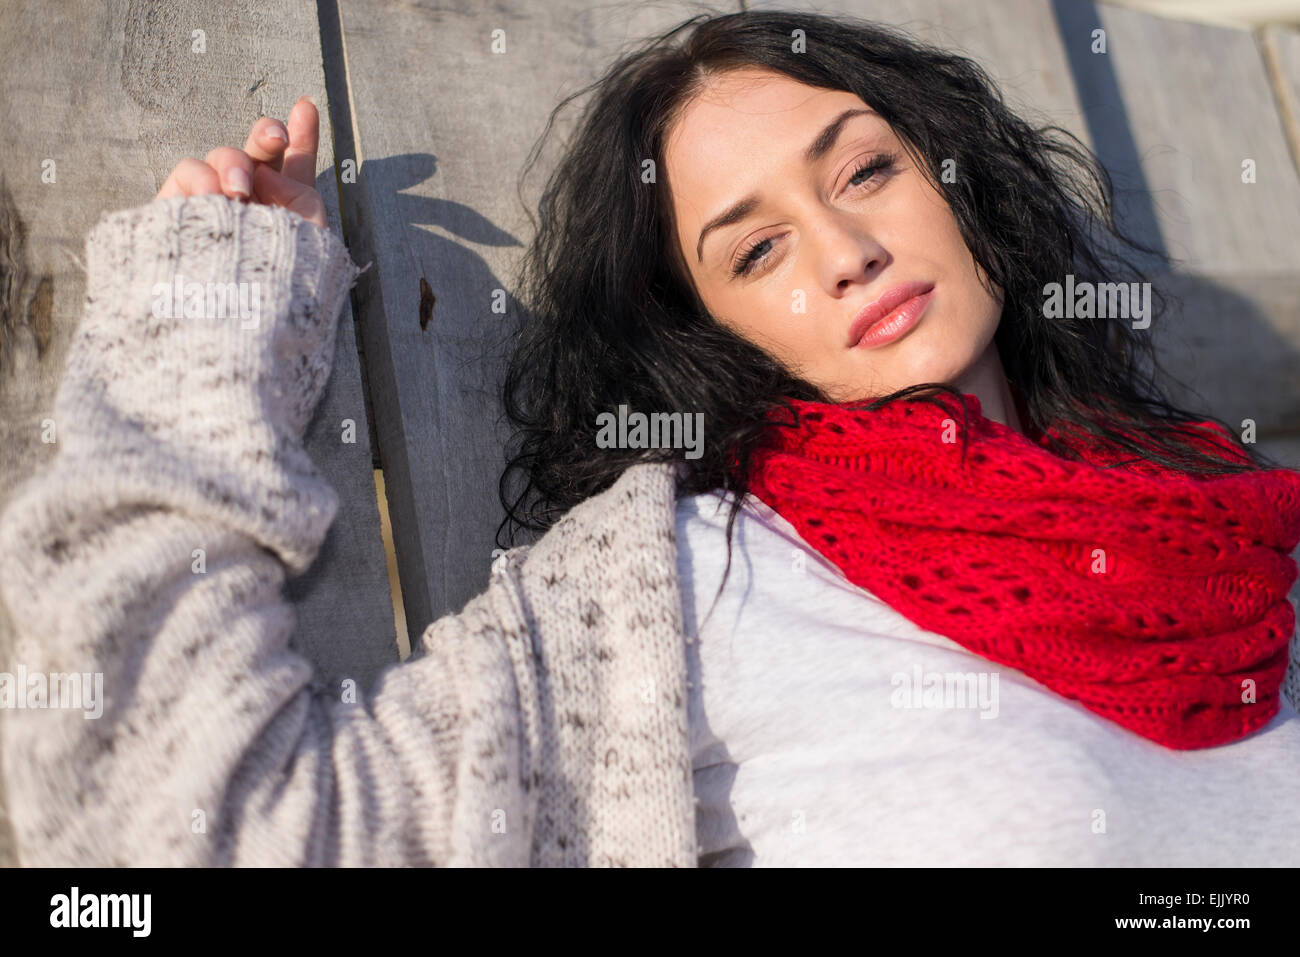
805, 754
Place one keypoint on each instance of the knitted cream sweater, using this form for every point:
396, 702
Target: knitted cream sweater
545, 724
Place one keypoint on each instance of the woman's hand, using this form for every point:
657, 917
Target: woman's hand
276, 167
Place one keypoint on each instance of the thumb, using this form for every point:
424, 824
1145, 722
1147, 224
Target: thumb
276, 189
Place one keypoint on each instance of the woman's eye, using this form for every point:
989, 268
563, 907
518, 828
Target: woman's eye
861, 174
749, 257
877, 163
861, 177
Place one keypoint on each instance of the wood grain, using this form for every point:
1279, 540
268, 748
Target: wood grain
114, 95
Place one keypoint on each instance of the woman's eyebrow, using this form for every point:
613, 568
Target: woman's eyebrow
819, 147
827, 137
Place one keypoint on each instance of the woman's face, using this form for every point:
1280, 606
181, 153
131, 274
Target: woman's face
824, 239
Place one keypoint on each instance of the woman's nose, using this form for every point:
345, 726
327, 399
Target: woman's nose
847, 251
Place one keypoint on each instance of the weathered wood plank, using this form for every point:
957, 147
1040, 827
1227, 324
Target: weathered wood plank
1199, 106
115, 94
1280, 47
1236, 346
439, 155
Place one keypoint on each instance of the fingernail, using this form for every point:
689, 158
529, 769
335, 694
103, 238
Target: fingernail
277, 133
239, 182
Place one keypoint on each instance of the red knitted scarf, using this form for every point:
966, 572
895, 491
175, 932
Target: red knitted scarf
1155, 598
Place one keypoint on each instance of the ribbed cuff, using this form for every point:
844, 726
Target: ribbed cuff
230, 272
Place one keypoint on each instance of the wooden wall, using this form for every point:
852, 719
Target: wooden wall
428, 129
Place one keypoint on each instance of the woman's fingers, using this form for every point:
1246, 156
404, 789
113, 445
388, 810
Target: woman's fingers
304, 138
235, 168
269, 169
191, 177
277, 189
267, 141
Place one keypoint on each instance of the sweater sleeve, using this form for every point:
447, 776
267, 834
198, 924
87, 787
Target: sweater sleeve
159, 717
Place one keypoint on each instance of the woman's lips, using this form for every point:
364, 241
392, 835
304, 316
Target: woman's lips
890, 316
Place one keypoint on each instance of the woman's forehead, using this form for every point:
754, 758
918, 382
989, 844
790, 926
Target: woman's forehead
743, 127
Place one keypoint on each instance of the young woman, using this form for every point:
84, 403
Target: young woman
999, 602
802, 193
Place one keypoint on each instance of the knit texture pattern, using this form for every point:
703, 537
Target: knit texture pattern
544, 724
1157, 599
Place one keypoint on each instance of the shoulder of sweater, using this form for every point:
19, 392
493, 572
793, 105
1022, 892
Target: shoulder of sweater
598, 597
632, 524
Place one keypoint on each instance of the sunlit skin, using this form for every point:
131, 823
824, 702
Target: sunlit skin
841, 239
